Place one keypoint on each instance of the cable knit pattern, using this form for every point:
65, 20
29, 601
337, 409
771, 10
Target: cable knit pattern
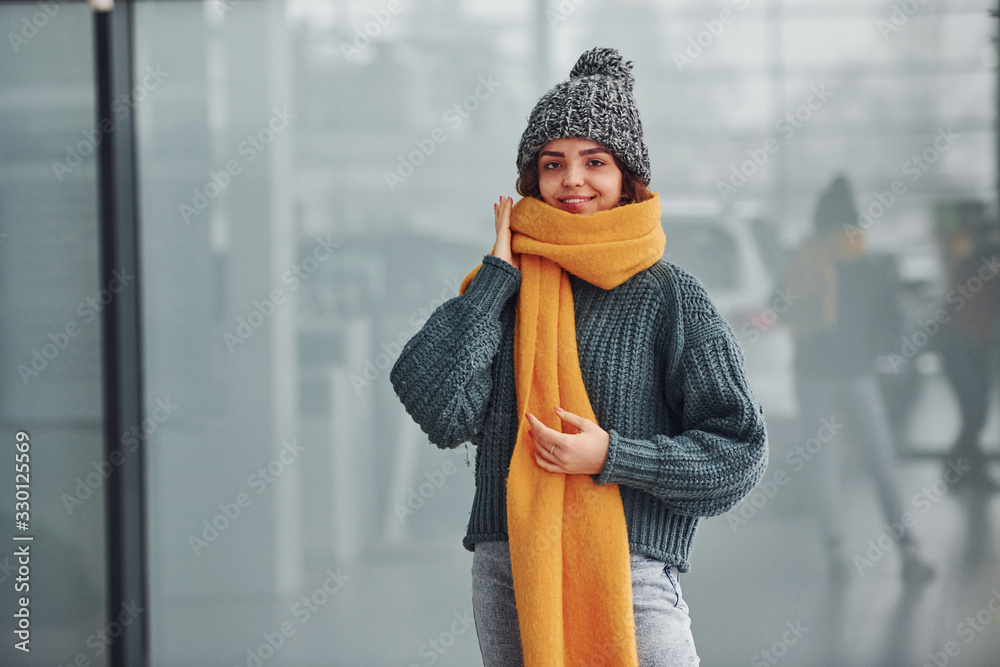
665, 377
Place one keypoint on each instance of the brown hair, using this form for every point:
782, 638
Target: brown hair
633, 189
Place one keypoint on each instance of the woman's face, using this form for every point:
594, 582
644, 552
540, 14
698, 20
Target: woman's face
579, 176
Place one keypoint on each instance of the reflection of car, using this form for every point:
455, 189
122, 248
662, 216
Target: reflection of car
739, 262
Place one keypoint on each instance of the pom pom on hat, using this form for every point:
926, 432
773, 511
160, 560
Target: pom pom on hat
604, 62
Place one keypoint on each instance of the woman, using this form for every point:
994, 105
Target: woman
608, 400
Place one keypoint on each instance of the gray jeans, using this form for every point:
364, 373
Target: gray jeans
662, 625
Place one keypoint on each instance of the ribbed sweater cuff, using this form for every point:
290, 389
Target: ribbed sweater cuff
494, 283
629, 460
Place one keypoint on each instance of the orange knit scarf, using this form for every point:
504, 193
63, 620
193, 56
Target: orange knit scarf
568, 537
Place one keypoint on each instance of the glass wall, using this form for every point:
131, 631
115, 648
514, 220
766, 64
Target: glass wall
50, 337
315, 179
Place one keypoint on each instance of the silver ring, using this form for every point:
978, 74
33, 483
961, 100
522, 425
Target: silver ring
553, 449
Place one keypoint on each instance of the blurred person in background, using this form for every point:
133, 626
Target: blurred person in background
848, 315
967, 341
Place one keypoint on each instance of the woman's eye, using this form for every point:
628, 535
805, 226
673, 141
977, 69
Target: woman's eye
599, 162
550, 164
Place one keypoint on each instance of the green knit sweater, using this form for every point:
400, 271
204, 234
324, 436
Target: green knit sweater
665, 377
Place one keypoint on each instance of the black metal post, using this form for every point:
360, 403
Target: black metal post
121, 333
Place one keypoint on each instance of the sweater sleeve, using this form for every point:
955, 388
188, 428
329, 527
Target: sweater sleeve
443, 373
720, 452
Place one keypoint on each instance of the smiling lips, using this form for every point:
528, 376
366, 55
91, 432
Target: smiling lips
575, 200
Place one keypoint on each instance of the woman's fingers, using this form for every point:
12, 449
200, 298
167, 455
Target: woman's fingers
501, 210
580, 423
543, 448
576, 453
544, 435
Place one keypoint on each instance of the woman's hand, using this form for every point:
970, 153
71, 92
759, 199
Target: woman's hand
501, 211
574, 453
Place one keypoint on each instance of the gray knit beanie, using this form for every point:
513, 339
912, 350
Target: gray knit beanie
594, 103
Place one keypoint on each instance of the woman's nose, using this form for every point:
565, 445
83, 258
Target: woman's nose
572, 176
